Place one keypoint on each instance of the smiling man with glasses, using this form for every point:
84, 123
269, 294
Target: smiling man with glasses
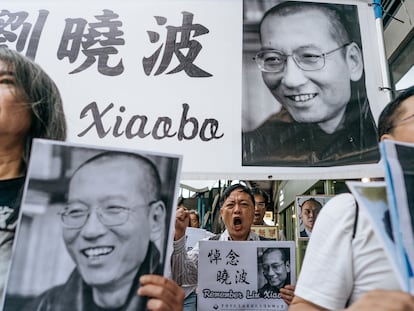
275, 267
111, 223
313, 67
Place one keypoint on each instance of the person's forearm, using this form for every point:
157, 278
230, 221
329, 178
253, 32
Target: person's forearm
383, 300
299, 304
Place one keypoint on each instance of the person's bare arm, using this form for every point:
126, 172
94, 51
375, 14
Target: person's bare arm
384, 300
163, 294
378, 300
299, 304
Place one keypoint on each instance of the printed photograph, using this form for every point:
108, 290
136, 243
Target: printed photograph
93, 220
399, 163
372, 198
273, 271
304, 94
238, 275
307, 210
406, 159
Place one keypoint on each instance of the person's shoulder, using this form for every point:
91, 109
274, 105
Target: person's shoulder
338, 214
341, 205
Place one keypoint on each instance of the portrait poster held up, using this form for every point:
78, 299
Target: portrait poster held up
92, 221
316, 111
399, 175
244, 275
372, 199
389, 205
307, 209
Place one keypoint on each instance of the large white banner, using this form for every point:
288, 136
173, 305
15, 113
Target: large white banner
176, 76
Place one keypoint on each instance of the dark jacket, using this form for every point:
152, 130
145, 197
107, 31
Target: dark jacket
281, 141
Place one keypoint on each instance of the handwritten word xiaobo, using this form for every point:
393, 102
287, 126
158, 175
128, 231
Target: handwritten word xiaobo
108, 122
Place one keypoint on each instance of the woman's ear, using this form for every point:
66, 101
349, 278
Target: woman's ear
354, 61
386, 136
157, 220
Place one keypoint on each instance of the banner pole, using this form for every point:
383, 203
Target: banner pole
386, 84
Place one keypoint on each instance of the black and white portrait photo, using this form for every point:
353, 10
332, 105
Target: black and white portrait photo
399, 161
274, 271
406, 159
93, 220
374, 202
308, 208
304, 94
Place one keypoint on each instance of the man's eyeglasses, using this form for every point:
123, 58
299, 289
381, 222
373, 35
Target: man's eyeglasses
277, 267
75, 215
305, 58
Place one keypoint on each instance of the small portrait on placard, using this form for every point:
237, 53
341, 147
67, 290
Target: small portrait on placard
307, 211
274, 270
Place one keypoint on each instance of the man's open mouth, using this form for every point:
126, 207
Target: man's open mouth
302, 97
237, 221
97, 251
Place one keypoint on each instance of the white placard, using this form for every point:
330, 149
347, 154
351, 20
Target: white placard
230, 275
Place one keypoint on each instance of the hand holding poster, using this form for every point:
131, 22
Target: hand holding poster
91, 219
244, 275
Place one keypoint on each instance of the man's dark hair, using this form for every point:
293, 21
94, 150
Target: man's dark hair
392, 111
338, 30
193, 212
283, 251
258, 191
312, 200
230, 189
41, 95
